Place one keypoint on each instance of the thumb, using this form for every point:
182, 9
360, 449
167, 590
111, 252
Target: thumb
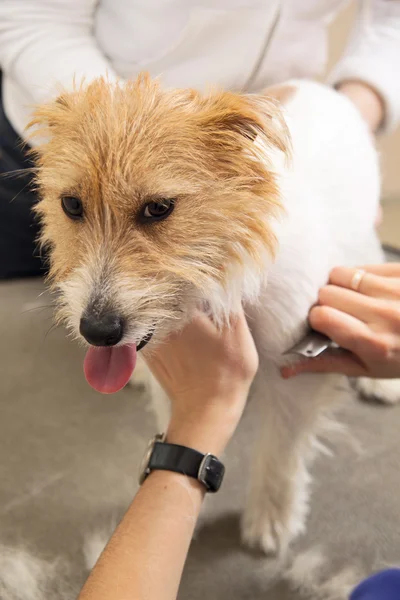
342, 362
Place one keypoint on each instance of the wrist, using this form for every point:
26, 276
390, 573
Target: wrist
208, 432
202, 440
176, 480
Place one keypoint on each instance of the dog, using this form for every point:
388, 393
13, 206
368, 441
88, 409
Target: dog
157, 202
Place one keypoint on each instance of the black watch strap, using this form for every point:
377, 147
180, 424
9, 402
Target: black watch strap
180, 459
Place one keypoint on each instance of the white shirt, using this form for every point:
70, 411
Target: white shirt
237, 44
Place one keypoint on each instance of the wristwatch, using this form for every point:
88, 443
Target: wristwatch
160, 455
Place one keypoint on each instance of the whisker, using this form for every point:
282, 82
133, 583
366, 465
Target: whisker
28, 310
20, 191
49, 331
19, 172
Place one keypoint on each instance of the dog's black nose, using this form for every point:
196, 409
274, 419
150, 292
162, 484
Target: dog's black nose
102, 330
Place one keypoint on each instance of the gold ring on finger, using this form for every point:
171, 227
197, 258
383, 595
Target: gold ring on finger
357, 279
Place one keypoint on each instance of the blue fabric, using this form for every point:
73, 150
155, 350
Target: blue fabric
382, 586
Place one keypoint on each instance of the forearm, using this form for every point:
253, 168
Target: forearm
155, 534
44, 46
371, 59
146, 555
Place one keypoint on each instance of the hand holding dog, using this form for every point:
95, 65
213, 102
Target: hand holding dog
365, 322
207, 374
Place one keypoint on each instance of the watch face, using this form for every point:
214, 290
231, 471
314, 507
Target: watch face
211, 473
144, 470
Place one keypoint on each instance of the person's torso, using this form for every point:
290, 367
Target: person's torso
241, 45
237, 44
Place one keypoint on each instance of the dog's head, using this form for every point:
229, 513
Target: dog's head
154, 202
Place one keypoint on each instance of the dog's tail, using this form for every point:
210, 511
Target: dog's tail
23, 576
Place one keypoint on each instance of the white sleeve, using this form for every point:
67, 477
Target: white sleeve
45, 43
373, 54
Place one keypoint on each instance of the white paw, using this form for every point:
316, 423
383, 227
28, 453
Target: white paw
264, 536
268, 533
386, 391
276, 511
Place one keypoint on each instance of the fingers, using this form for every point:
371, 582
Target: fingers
343, 362
345, 330
385, 270
357, 310
371, 284
354, 304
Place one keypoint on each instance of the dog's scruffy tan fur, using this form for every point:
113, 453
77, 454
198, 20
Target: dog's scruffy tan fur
221, 157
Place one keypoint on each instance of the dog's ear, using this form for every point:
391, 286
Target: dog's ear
248, 116
47, 117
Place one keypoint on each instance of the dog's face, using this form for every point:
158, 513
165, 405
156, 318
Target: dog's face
153, 202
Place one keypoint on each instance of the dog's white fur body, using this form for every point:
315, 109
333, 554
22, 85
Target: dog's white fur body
330, 191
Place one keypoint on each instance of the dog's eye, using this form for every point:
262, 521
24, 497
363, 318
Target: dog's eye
157, 210
72, 207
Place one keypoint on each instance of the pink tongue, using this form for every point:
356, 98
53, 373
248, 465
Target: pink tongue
108, 370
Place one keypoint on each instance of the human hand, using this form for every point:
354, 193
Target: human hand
207, 374
365, 321
367, 100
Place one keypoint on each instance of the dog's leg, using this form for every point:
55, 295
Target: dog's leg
160, 404
277, 502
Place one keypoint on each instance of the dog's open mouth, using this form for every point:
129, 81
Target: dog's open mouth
108, 368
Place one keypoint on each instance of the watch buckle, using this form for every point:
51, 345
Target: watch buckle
144, 468
202, 475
